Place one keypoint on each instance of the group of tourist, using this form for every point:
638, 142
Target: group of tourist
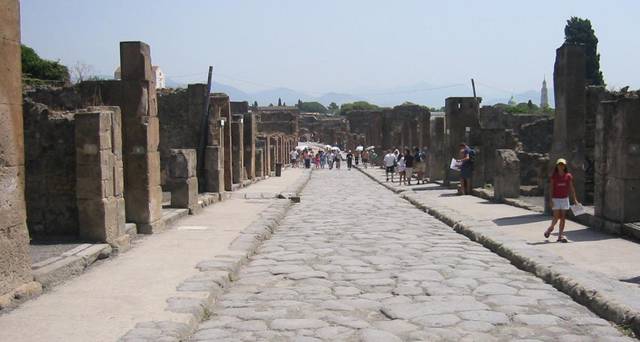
327, 159
405, 165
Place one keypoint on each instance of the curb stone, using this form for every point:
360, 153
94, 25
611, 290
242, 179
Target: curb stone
604, 296
201, 291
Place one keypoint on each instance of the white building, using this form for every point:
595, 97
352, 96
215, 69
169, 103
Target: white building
160, 79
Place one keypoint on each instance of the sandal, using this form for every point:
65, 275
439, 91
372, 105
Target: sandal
563, 240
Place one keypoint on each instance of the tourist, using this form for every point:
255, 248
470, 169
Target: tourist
408, 162
389, 162
349, 160
330, 159
293, 156
337, 159
402, 169
316, 160
323, 159
307, 159
420, 164
365, 158
357, 156
466, 168
561, 185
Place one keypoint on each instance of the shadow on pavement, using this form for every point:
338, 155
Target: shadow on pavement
521, 219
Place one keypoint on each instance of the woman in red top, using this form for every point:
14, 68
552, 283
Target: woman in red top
561, 187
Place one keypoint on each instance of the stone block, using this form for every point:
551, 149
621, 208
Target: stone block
135, 61
15, 262
118, 178
182, 163
10, 55
10, 23
93, 129
99, 220
506, 181
621, 200
184, 193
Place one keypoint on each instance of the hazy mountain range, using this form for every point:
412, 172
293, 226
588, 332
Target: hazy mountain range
420, 93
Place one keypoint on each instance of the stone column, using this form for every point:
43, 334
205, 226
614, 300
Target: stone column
506, 182
259, 163
182, 180
435, 154
15, 262
461, 116
140, 133
250, 145
223, 107
100, 176
569, 81
237, 151
214, 151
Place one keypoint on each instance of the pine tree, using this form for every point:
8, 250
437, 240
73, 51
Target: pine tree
579, 31
279, 102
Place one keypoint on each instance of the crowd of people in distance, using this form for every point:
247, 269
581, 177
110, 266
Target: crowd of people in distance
328, 158
406, 165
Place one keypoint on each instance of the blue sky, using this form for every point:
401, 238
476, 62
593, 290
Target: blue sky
332, 45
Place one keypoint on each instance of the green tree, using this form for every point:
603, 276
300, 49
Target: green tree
358, 105
312, 107
35, 67
333, 107
255, 104
579, 31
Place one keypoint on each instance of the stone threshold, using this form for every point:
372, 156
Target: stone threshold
606, 297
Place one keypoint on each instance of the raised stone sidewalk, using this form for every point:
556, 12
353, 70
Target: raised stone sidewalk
596, 269
159, 289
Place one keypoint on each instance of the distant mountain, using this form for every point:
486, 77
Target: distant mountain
289, 96
338, 98
234, 93
169, 83
532, 95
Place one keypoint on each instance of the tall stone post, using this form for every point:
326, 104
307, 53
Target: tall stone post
237, 150
222, 105
182, 180
100, 177
569, 81
15, 262
214, 152
461, 116
250, 129
506, 181
436, 159
259, 163
143, 193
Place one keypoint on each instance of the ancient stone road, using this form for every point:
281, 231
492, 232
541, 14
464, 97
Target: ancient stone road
355, 262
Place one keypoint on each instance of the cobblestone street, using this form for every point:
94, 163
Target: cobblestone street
355, 262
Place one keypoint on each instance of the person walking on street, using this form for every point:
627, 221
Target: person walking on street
402, 170
466, 168
337, 159
408, 162
357, 157
349, 160
316, 160
293, 156
323, 159
389, 162
365, 158
420, 161
561, 185
330, 160
307, 159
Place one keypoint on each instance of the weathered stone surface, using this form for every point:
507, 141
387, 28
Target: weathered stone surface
506, 181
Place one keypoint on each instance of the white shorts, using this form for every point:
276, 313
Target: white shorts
560, 203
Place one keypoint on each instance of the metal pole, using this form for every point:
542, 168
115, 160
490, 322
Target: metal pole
203, 124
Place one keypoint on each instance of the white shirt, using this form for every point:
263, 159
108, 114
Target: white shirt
294, 154
389, 159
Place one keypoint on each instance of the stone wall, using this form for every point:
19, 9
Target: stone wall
436, 162
182, 180
50, 179
326, 129
461, 116
15, 262
537, 136
506, 180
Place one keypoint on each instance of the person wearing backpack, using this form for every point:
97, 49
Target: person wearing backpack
467, 157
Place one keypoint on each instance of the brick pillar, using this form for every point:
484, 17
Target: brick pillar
15, 262
223, 107
259, 162
569, 81
100, 177
182, 180
140, 136
250, 129
237, 150
435, 154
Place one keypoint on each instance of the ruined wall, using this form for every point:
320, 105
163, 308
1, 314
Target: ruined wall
368, 124
180, 114
15, 262
618, 158
537, 136
50, 159
325, 129
273, 120
435, 154
461, 116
